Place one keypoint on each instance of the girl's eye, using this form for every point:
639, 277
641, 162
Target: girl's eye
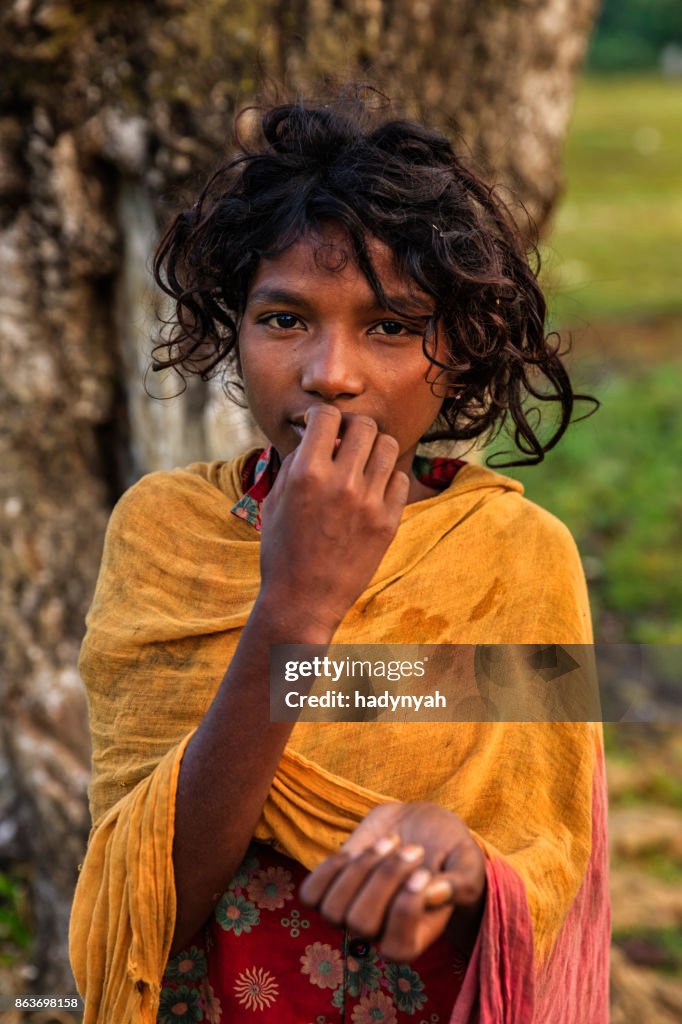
284, 321
391, 328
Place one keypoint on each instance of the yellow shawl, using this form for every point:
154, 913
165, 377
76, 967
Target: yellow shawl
476, 564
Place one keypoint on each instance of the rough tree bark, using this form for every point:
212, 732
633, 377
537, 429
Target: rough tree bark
107, 107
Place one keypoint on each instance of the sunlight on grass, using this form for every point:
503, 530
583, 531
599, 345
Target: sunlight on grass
615, 249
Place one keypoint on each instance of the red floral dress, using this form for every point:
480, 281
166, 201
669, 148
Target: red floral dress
264, 957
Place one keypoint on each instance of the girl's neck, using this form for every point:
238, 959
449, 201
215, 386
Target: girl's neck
419, 491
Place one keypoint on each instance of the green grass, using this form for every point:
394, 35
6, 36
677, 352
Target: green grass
655, 863
618, 743
614, 479
14, 932
666, 941
657, 789
616, 245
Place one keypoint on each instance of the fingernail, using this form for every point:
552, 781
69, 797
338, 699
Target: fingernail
385, 845
418, 880
349, 851
411, 852
438, 893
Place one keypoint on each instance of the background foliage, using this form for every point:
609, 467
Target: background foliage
630, 34
612, 269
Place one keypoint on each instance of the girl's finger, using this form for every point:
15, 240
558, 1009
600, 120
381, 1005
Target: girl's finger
365, 909
381, 845
453, 888
439, 891
359, 434
410, 926
323, 423
333, 888
372, 878
397, 493
318, 881
381, 462
422, 908
464, 875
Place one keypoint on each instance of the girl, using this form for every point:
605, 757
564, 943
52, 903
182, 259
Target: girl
369, 293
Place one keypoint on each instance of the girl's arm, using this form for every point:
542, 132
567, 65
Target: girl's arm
327, 523
229, 765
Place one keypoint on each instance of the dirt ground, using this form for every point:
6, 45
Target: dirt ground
645, 833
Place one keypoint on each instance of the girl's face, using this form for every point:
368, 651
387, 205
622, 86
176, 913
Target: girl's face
312, 333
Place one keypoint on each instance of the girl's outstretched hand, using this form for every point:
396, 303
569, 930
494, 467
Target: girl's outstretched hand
399, 877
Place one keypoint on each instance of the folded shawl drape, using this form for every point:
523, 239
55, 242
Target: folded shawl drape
476, 564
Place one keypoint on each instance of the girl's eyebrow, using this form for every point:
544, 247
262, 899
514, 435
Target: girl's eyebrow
277, 295
411, 305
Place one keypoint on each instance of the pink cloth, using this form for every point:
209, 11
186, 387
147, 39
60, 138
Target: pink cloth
501, 985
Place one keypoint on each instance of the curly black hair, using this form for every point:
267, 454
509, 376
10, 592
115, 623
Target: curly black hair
307, 164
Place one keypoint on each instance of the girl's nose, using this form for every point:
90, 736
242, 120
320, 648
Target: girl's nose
332, 367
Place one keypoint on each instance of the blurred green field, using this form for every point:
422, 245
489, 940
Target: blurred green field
616, 245
613, 267
614, 479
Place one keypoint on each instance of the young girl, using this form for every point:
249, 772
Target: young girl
369, 293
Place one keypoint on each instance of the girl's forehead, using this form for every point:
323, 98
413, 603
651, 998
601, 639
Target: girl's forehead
326, 259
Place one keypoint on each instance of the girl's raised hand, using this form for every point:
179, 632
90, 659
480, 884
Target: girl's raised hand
398, 878
332, 513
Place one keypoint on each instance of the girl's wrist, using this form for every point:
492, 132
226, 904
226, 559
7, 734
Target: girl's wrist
289, 621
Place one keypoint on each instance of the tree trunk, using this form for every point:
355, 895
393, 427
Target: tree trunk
108, 109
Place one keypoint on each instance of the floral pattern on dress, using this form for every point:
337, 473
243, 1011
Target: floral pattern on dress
270, 888
323, 964
295, 923
245, 872
235, 914
362, 974
460, 965
213, 1012
181, 1005
188, 965
339, 997
234, 968
376, 1006
406, 987
256, 989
